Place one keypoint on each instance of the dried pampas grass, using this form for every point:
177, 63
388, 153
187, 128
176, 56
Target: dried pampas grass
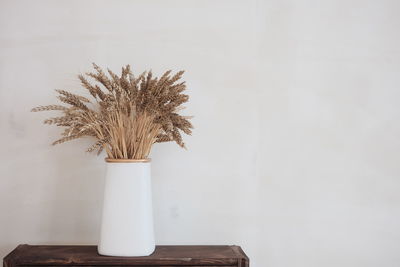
128, 115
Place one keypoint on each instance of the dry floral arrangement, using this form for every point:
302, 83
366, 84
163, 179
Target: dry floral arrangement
127, 114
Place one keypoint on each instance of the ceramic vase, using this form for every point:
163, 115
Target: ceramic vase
127, 219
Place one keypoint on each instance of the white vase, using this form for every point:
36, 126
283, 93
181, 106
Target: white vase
127, 220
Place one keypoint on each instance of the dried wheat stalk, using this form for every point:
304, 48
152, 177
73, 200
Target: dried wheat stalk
128, 115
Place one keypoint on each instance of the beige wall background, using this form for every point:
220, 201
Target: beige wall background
295, 155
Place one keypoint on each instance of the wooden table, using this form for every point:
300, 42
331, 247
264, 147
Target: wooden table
166, 256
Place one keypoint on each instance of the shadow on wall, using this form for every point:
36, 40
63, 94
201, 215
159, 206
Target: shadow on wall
75, 208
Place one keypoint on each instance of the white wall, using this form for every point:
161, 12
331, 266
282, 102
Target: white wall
296, 147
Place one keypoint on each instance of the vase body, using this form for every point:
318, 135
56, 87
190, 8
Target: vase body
127, 219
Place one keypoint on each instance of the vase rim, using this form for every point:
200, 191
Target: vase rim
108, 160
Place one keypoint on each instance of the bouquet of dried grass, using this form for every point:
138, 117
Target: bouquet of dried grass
128, 115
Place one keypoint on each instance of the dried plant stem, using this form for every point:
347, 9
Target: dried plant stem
128, 115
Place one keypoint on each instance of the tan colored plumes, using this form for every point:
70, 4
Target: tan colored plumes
60, 120
126, 118
73, 96
49, 107
95, 91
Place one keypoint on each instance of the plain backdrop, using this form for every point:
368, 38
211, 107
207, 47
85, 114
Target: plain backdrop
295, 152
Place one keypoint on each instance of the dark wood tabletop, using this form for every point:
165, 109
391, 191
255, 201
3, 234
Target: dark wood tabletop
28, 255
